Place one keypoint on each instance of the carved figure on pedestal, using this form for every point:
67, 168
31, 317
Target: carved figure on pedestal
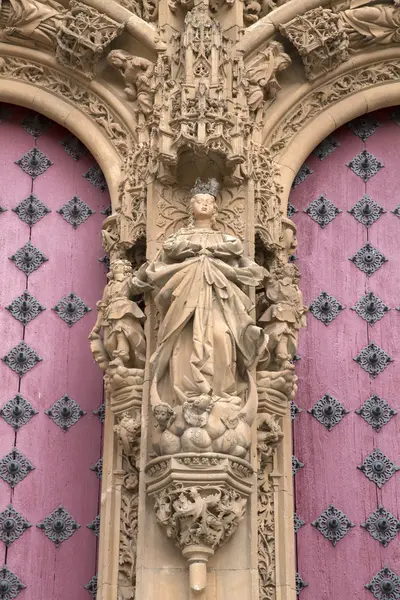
33, 20
121, 320
207, 342
137, 73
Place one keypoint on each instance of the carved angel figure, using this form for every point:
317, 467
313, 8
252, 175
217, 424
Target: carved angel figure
34, 20
207, 342
120, 319
262, 74
285, 313
137, 73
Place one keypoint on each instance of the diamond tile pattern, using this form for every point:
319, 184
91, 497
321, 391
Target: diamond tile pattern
378, 467
96, 178
385, 585
12, 526
328, 145
382, 526
370, 308
363, 127
328, 411
31, 210
366, 211
34, 163
18, 412
71, 309
10, 584
74, 147
301, 175
21, 359
65, 412
368, 259
322, 211
28, 258
365, 165
14, 467
333, 524
325, 308
25, 308
58, 526
36, 124
75, 212
373, 359
376, 412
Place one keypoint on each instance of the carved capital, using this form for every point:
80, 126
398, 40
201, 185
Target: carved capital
320, 39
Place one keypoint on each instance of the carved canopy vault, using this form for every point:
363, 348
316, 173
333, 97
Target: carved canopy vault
200, 115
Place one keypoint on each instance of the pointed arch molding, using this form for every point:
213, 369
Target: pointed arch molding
295, 120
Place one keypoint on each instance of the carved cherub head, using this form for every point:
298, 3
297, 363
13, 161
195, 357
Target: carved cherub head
163, 414
203, 206
120, 269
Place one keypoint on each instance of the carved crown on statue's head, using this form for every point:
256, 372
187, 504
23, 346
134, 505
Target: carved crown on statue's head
205, 187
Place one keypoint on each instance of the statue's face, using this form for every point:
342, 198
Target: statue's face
203, 206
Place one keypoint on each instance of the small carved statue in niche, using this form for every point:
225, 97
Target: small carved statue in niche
121, 319
262, 75
202, 394
33, 20
137, 73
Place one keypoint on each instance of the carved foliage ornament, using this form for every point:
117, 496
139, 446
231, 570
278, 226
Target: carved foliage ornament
70, 90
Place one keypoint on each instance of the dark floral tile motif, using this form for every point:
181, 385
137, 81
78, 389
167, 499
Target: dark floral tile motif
65, 412
98, 468
373, 359
71, 309
365, 165
14, 467
294, 410
95, 526
2, 209
58, 526
382, 526
298, 522
75, 212
28, 258
364, 127
35, 124
366, 211
17, 412
10, 584
12, 526
21, 359
31, 210
96, 178
74, 147
333, 524
302, 175
107, 211
4, 114
376, 412
328, 145
91, 587
395, 116
328, 411
300, 584
322, 211
325, 308
296, 465
385, 585
34, 163
396, 211
25, 308
370, 308
378, 467
368, 259
101, 413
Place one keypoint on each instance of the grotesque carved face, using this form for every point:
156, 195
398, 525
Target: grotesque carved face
203, 206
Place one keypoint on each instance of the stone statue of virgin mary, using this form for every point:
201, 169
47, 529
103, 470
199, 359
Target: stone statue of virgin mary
202, 392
